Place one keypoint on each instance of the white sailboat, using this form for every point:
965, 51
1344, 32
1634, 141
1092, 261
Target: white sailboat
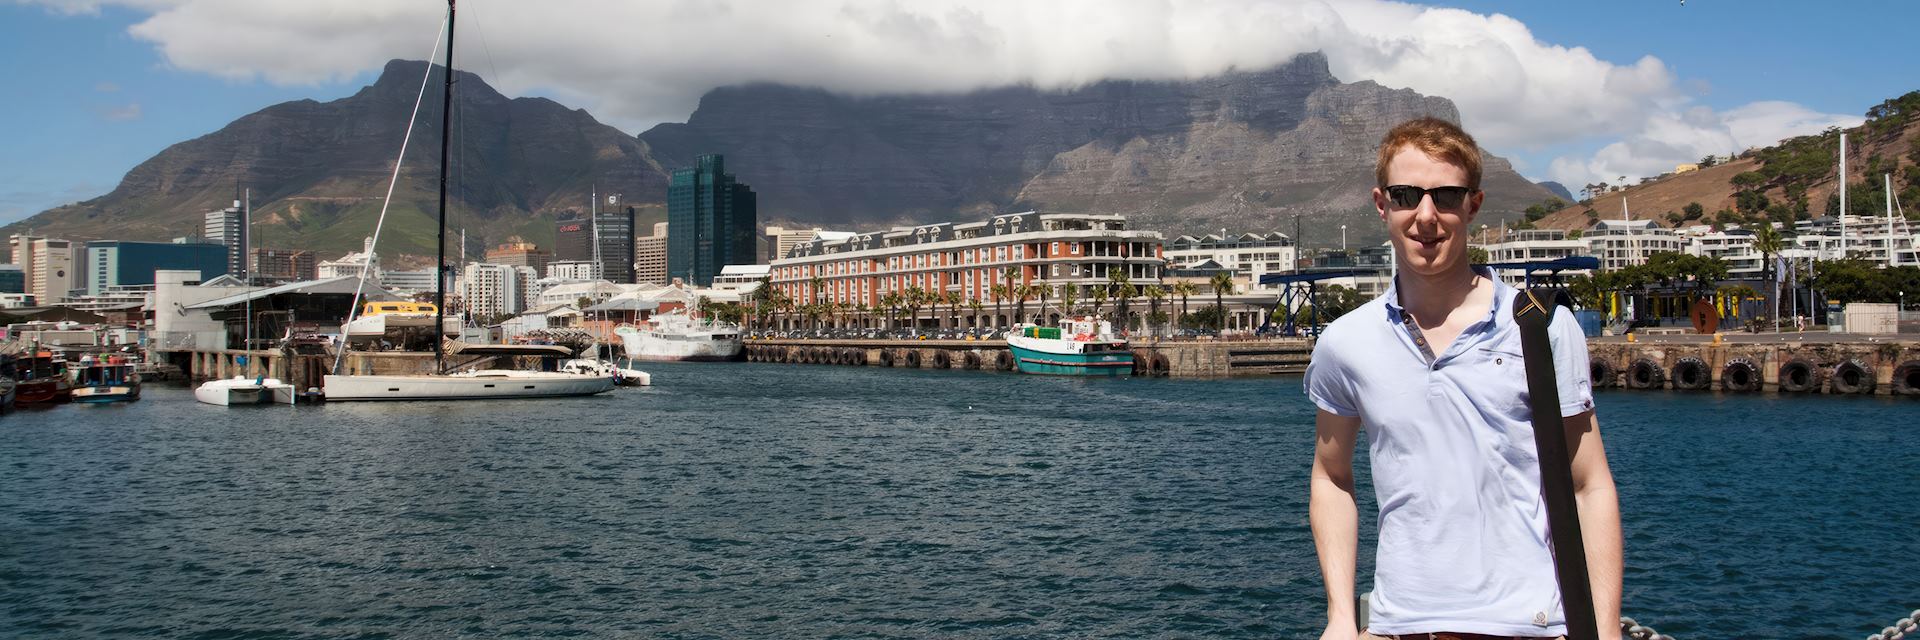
470, 384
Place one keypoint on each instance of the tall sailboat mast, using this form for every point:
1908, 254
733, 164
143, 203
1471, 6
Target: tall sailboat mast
440, 265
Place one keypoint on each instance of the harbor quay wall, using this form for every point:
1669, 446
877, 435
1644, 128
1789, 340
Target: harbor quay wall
1178, 359
301, 370
1789, 365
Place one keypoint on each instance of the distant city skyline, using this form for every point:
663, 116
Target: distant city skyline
1569, 93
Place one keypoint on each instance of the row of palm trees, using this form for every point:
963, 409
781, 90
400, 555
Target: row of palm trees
770, 305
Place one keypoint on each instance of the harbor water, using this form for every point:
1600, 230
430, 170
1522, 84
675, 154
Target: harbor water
779, 501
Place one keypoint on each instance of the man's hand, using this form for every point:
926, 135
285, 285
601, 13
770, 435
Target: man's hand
1340, 631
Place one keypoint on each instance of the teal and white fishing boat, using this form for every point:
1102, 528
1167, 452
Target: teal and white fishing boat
1079, 347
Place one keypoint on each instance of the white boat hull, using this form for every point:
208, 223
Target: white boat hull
375, 326
481, 385
244, 391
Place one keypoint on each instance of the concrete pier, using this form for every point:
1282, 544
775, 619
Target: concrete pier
1179, 359
1840, 364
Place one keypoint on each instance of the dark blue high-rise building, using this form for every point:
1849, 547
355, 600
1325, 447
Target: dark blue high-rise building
711, 219
123, 263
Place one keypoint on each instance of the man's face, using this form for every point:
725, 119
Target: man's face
1427, 238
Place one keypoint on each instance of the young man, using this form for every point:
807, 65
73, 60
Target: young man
1433, 371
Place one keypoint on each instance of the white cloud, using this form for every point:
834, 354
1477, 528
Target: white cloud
1671, 138
123, 113
638, 63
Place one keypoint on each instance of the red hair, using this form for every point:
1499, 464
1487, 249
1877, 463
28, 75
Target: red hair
1443, 140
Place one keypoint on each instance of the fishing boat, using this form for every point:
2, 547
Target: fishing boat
7, 384
40, 377
1079, 347
461, 381
680, 336
105, 378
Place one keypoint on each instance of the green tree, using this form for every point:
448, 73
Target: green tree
1768, 242
999, 293
1694, 211
1477, 255
1069, 294
1184, 289
1222, 283
1154, 293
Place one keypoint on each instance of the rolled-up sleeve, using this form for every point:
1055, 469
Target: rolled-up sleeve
1329, 384
1570, 364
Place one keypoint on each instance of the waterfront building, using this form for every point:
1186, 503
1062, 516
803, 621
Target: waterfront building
1733, 246
650, 256
572, 238
13, 279
1247, 255
574, 270
1882, 240
112, 264
408, 284
555, 291
228, 228
282, 265
1533, 245
493, 290
741, 279
713, 217
781, 240
1052, 249
16, 300
350, 264
49, 267
520, 253
1624, 243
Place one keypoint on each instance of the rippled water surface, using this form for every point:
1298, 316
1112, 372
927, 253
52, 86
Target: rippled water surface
762, 501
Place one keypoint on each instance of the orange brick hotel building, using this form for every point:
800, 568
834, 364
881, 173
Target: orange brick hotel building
1054, 249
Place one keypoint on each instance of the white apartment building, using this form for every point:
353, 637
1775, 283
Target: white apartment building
408, 283
350, 264
1248, 255
228, 227
1534, 245
1883, 240
650, 256
1733, 246
48, 263
574, 270
741, 279
492, 290
1623, 243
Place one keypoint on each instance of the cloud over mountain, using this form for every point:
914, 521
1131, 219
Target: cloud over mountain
639, 63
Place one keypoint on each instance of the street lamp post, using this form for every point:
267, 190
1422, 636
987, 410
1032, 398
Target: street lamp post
1343, 238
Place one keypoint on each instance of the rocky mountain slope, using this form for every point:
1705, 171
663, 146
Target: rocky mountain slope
1243, 150
319, 170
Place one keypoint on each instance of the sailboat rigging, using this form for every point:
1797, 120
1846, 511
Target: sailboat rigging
440, 384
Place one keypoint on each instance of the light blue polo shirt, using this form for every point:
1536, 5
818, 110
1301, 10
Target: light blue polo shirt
1463, 528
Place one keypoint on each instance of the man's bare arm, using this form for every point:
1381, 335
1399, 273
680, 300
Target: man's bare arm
1599, 508
1333, 514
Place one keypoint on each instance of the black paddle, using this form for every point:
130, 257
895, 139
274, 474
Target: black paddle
1533, 312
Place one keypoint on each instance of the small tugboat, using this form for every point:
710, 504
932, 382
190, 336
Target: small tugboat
106, 378
41, 378
1081, 347
242, 390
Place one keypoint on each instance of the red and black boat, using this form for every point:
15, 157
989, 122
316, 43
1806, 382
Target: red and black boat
40, 377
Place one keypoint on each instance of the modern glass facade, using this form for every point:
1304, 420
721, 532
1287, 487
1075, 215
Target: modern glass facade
614, 230
121, 263
713, 218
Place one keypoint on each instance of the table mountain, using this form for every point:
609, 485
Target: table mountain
1241, 150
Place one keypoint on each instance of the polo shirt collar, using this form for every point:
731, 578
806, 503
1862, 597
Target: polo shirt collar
1502, 297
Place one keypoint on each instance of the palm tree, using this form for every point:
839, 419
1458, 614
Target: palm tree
891, 300
1768, 242
916, 298
1154, 293
1184, 289
1098, 297
999, 292
1007, 288
1068, 295
816, 288
1222, 286
975, 306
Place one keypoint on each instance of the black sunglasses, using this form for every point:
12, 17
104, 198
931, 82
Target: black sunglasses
1448, 198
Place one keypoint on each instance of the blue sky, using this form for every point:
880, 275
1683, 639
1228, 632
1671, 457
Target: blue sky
91, 99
